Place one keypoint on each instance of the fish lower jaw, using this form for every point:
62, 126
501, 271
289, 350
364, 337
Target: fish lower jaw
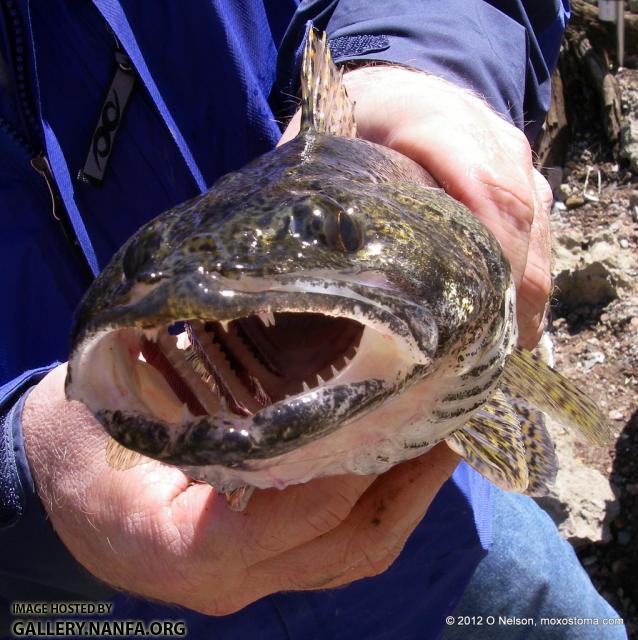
231, 373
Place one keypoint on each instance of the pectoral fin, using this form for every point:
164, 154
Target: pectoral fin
540, 454
492, 443
121, 458
545, 389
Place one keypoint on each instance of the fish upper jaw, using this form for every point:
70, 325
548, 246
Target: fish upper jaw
239, 382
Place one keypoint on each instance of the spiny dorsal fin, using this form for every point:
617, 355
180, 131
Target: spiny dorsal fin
326, 107
121, 458
540, 453
492, 443
530, 378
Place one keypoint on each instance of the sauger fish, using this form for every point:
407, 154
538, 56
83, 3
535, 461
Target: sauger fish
324, 310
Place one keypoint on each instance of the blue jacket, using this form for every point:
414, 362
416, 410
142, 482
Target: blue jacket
210, 77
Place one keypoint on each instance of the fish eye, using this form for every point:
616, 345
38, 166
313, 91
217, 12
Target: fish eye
344, 231
322, 218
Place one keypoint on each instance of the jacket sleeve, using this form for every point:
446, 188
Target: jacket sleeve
34, 564
504, 50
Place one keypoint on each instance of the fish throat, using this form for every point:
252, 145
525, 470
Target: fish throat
250, 363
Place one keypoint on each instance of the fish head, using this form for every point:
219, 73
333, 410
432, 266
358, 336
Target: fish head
258, 317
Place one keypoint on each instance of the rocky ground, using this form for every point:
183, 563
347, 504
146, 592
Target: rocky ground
595, 333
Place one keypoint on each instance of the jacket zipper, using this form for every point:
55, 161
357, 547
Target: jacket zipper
15, 30
39, 162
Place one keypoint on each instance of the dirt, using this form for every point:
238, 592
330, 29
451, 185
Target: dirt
597, 342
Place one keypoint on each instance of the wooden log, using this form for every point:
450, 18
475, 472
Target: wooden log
601, 80
551, 144
603, 34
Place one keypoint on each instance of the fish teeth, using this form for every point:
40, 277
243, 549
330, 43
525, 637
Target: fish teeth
224, 324
267, 317
334, 370
348, 360
141, 357
151, 334
320, 380
305, 386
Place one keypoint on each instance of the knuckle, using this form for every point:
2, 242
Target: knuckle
332, 508
377, 563
538, 283
512, 200
221, 606
543, 195
324, 520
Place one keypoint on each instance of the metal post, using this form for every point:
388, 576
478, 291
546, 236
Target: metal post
620, 32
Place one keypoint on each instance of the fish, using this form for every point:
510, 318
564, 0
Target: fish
326, 309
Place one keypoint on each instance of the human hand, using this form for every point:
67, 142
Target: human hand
476, 156
151, 531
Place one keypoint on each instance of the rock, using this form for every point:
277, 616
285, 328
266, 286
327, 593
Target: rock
554, 176
590, 271
592, 359
632, 488
624, 537
581, 502
588, 561
574, 201
562, 192
624, 243
618, 566
633, 199
592, 285
629, 140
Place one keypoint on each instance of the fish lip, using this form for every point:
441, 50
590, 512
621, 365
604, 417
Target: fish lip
245, 442
227, 299
284, 425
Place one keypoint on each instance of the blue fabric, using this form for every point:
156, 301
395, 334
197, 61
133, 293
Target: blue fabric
530, 573
408, 601
12, 492
31, 555
206, 105
465, 41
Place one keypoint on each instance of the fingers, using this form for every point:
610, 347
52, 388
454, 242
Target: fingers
367, 541
478, 158
274, 522
488, 168
533, 294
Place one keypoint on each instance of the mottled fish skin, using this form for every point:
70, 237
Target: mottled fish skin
333, 225
431, 248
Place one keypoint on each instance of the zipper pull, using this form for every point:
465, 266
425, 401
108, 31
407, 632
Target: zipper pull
41, 165
110, 118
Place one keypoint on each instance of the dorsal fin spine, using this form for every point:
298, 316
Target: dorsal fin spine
326, 107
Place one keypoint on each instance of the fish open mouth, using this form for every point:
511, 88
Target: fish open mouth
250, 363
248, 375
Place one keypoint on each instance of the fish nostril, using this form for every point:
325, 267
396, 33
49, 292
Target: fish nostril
140, 253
